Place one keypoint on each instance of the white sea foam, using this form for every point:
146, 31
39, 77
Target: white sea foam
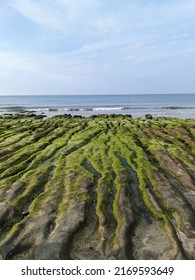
37, 109
107, 108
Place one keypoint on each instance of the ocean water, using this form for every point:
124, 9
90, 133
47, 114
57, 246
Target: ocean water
164, 105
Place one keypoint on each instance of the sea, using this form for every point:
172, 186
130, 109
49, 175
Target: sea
159, 105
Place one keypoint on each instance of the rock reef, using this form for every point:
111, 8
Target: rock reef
101, 187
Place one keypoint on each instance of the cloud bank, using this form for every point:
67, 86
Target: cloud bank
96, 46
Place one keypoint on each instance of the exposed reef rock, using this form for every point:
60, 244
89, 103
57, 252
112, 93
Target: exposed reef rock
148, 116
102, 187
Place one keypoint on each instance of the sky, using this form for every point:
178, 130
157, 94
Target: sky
97, 47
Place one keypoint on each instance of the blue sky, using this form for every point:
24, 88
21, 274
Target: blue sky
97, 46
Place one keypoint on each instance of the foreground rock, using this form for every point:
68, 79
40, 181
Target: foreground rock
103, 187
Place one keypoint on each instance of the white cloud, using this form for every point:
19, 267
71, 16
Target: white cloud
94, 21
38, 12
61, 15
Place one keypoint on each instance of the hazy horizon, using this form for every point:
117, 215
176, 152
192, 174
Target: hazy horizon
96, 47
96, 94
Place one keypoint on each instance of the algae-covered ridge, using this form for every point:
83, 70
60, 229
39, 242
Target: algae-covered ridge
100, 187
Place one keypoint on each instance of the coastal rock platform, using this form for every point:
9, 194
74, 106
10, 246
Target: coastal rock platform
98, 187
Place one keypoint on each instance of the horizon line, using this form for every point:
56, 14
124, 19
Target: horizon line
100, 94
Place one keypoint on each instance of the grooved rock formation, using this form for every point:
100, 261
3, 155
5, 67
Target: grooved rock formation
102, 187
